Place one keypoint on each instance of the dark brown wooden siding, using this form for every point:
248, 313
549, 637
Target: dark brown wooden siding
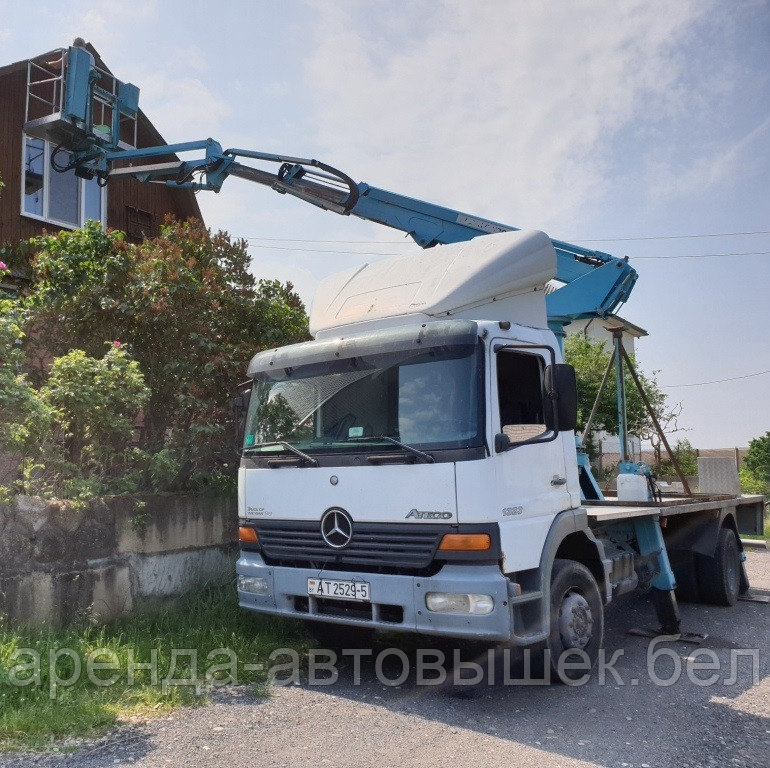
125, 197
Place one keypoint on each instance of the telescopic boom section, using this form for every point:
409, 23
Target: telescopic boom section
595, 284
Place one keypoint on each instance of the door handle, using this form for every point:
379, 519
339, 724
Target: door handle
558, 480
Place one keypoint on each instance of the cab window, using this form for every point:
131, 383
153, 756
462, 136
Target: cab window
520, 395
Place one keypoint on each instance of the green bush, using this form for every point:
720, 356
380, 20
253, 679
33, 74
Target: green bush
24, 416
163, 468
192, 314
750, 483
95, 400
74, 432
686, 456
755, 472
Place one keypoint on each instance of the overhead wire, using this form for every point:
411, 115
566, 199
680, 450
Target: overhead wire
386, 253
318, 250
674, 237
345, 242
406, 241
657, 237
704, 255
716, 381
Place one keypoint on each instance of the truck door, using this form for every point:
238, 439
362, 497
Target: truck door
530, 479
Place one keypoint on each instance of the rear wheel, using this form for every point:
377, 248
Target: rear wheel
577, 618
719, 577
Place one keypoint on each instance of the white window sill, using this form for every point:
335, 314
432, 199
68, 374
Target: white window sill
53, 222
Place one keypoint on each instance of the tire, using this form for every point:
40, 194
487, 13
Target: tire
577, 618
719, 577
330, 635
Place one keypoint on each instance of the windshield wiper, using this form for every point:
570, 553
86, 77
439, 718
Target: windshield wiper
411, 449
288, 446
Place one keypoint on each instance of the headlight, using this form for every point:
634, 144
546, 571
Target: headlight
451, 602
254, 584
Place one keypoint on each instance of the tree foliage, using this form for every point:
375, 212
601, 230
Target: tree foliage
184, 309
757, 459
590, 359
94, 400
755, 473
19, 406
686, 456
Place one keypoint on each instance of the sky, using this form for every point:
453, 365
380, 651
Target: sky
600, 122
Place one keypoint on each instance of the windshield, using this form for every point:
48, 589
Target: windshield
428, 398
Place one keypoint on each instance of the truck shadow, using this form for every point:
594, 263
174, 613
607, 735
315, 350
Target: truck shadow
666, 713
664, 716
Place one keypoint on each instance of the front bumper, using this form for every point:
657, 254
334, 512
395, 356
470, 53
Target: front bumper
287, 596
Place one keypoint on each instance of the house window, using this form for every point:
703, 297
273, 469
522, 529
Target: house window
62, 199
520, 395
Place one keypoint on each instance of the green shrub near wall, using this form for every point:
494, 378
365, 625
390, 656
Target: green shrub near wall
159, 333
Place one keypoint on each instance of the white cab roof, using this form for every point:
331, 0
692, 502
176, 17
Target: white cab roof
492, 277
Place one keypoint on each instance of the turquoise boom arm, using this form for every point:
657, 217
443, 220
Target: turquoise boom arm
594, 284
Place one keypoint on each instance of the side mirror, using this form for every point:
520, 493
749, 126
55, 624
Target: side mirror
502, 442
561, 390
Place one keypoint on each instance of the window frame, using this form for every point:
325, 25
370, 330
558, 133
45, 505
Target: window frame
540, 364
446, 451
497, 348
47, 170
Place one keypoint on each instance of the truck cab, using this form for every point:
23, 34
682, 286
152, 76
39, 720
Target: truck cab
404, 469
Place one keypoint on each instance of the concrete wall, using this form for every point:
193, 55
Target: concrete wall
116, 556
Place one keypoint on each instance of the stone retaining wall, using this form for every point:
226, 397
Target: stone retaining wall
116, 556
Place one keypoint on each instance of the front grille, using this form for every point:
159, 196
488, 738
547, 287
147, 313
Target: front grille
374, 546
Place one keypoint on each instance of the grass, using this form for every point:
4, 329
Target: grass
41, 712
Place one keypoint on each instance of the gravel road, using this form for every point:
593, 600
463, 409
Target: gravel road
630, 724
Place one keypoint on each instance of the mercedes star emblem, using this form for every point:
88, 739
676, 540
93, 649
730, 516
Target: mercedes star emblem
336, 527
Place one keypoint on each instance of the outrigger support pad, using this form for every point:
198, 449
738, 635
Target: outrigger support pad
667, 610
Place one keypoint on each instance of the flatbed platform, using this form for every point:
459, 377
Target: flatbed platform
749, 509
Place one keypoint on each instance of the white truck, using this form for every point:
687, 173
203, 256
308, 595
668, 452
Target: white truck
413, 468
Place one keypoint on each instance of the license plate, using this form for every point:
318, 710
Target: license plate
339, 590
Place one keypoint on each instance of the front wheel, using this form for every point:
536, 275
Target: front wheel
577, 619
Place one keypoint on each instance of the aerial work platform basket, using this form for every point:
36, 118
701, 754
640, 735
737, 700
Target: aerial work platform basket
75, 104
